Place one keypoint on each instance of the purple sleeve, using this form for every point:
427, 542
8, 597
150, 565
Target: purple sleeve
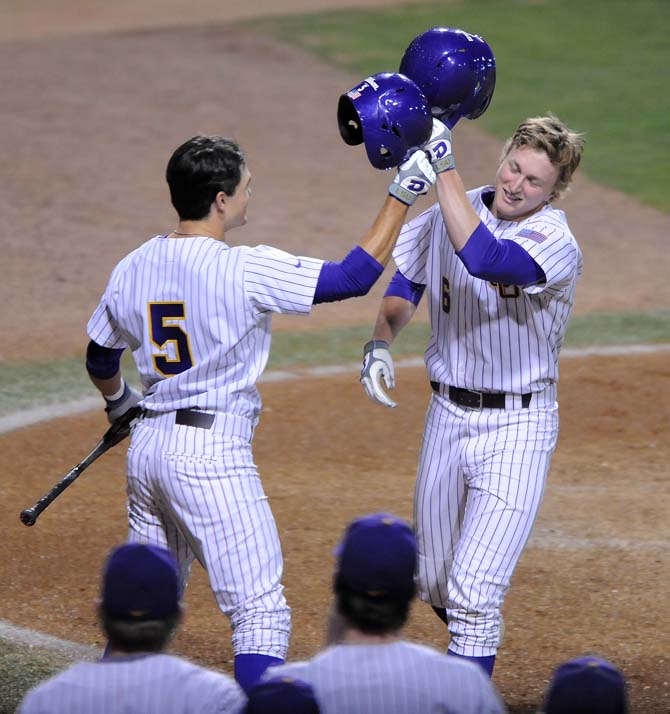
499, 261
401, 287
352, 277
102, 362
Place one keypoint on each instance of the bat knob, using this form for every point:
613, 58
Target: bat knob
28, 517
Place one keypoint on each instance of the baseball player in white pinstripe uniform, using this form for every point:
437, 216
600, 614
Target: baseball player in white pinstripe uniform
197, 315
500, 266
367, 668
139, 612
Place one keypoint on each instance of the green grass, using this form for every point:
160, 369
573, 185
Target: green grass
625, 328
27, 385
23, 667
35, 384
600, 65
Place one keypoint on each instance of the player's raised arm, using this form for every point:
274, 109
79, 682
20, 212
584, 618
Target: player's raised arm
389, 114
527, 179
362, 266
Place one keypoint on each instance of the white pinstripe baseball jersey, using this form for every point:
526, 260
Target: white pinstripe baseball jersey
482, 471
142, 684
493, 337
394, 678
199, 312
197, 315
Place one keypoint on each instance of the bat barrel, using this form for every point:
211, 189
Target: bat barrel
116, 433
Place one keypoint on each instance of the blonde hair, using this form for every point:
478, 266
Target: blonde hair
563, 146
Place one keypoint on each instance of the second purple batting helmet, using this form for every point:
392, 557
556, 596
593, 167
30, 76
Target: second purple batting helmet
389, 114
454, 69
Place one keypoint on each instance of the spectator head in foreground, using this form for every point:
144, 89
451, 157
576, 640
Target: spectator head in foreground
586, 685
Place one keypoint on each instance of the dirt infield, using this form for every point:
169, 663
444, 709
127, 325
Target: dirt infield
592, 580
87, 129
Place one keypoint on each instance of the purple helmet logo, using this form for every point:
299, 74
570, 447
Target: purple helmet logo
454, 69
388, 113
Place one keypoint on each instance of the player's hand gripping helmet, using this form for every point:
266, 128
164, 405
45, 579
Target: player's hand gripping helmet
388, 113
454, 69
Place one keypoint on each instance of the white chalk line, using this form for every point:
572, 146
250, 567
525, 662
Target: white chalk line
32, 638
543, 539
551, 539
29, 417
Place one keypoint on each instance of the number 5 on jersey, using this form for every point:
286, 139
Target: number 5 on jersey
169, 338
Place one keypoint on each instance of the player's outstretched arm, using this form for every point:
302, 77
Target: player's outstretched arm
414, 178
362, 266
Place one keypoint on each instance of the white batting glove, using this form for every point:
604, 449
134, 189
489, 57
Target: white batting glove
118, 407
415, 178
378, 366
438, 148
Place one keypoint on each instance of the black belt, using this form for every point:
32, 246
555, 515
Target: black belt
194, 417
477, 400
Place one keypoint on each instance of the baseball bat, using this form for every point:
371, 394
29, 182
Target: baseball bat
116, 433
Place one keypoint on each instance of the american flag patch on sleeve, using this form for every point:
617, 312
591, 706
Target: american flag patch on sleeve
533, 235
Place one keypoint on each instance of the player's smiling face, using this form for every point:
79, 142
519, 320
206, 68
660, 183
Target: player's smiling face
236, 205
524, 183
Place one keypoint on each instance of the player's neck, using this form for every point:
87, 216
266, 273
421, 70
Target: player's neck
355, 637
207, 228
119, 654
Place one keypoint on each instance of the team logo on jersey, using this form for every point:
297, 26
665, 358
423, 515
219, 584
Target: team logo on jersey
535, 236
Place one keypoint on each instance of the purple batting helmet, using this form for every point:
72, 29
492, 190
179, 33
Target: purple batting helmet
454, 69
388, 113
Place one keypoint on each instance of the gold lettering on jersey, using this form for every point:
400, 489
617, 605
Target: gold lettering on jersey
506, 291
446, 295
169, 337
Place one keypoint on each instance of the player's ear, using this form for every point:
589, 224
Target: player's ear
220, 200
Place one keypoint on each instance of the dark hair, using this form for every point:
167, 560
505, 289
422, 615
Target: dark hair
370, 615
198, 170
145, 636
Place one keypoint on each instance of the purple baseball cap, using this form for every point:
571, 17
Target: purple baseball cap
586, 685
140, 582
281, 695
377, 557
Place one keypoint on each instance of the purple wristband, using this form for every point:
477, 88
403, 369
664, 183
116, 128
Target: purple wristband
102, 362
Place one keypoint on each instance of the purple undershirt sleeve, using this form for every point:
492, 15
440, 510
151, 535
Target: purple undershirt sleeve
499, 261
352, 277
102, 362
400, 286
